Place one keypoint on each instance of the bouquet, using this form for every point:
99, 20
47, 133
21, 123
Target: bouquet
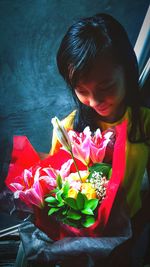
71, 192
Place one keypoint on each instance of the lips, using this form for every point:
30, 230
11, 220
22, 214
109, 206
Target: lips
102, 107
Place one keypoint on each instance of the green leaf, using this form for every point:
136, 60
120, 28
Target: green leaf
80, 201
87, 211
71, 223
73, 215
100, 167
54, 190
52, 210
91, 204
58, 196
59, 181
66, 189
64, 212
88, 221
85, 198
110, 173
71, 202
51, 199
60, 204
53, 204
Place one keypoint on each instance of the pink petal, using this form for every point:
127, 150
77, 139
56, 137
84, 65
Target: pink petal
22, 195
65, 168
81, 144
50, 172
48, 180
38, 189
33, 197
37, 174
27, 177
87, 132
97, 154
82, 152
16, 186
75, 184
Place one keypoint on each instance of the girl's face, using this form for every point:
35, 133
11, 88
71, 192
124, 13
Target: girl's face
104, 90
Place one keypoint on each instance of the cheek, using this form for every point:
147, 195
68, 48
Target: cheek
113, 99
110, 98
83, 99
117, 96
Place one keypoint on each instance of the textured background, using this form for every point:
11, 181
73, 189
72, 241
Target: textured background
31, 90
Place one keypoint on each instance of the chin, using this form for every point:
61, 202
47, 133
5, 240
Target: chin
104, 113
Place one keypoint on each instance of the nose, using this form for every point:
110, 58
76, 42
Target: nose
94, 101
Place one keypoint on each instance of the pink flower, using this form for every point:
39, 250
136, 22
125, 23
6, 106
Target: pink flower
65, 168
33, 184
31, 196
63, 172
86, 147
81, 145
98, 145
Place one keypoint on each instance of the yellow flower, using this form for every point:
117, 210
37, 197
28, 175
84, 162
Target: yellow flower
84, 175
88, 190
91, 194
72, 193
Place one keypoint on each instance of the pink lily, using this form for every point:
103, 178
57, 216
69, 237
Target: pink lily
31, 186
81, 145
98, 145
32, 196
53, 173
65, 168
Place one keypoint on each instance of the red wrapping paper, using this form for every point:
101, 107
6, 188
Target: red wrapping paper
24, 156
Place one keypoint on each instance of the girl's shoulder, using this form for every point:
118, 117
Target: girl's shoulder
145, 111
145, 114
145, 118
69, 120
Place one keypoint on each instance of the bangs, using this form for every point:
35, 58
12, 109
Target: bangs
86, 64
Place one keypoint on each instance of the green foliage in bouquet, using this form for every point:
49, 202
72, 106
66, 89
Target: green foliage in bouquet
80, 210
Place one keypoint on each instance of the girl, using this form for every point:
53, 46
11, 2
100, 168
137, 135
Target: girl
100, 67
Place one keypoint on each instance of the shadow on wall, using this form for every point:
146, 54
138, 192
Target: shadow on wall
5, 157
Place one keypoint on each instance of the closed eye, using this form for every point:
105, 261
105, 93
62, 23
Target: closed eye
109, 88
81, 92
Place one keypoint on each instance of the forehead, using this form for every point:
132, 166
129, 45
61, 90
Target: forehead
102, 71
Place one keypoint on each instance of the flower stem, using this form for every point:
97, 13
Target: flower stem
75, 164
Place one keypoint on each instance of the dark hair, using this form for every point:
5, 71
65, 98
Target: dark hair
85, 41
